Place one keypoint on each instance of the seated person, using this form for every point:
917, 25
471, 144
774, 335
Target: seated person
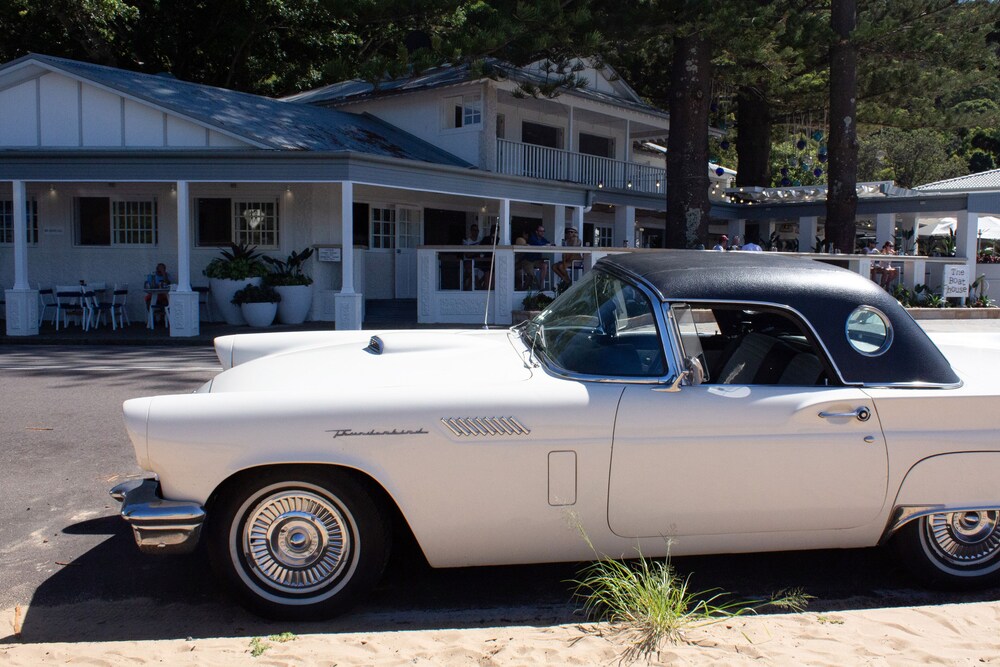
889, 272
468, 264
565, 265
161, 280
489, 239
534, 263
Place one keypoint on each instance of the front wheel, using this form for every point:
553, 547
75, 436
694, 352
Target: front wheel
953, 549
298, 544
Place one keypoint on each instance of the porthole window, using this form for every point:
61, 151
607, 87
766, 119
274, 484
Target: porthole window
869, 331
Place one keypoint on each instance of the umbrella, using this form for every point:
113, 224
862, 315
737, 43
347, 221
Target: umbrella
989, 227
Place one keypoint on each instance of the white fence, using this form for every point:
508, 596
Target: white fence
552, 164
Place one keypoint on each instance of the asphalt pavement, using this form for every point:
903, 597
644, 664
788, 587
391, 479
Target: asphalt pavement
66, 553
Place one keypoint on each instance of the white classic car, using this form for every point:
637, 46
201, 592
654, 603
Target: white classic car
718, 402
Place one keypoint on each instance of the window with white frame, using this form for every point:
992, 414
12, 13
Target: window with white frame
463, 111
7, 221
106, 221
134, 222
221, 221
604, 236
383, 227
256, 223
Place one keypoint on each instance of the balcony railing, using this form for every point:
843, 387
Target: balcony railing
553, 164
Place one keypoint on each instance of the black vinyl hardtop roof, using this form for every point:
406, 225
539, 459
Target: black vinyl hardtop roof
824, 294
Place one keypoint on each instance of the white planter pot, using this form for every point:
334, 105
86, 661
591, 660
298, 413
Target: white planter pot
222, 295
259, 315
296, 302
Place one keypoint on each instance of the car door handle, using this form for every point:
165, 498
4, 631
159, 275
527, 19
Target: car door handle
862, 414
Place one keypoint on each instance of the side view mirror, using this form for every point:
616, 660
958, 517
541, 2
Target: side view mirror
695, 370
694, 375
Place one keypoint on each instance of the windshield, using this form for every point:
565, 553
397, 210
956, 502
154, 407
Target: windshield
601, 326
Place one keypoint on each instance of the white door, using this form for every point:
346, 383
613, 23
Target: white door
380, 258
727, 459
409, 234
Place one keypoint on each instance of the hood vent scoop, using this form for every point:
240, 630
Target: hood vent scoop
375, 345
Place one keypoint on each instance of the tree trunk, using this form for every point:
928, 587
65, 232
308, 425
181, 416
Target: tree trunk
753, 138
687, 145
842, 196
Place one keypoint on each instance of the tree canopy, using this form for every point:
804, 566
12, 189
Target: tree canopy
928, 72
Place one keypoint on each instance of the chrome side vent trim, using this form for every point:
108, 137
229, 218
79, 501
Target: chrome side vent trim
484, 426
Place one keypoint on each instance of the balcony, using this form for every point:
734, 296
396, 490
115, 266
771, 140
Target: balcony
552, 164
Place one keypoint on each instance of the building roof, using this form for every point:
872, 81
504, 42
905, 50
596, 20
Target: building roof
450, 75
985, 180
823, 293
262, 121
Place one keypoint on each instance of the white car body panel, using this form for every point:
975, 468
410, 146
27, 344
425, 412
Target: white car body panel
730, 459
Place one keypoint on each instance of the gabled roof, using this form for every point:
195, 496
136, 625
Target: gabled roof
261, 121
449, 75
985, 180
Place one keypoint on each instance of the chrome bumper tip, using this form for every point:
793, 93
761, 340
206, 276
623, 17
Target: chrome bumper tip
159, 526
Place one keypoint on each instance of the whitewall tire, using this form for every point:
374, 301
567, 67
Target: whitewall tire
298, 544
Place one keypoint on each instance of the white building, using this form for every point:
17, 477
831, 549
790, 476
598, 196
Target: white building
113, 171
105, 172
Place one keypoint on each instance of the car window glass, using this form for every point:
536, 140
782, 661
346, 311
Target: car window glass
750, 344
602, 326
868, 331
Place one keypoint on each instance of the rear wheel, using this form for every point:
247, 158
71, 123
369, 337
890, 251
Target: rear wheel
953, 549
300, 543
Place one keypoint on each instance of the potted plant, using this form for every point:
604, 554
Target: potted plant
258, 304
294, 286
533, 304
239, 265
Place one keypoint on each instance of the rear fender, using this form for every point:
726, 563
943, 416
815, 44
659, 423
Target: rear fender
963, 481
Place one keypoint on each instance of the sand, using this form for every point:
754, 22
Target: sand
950, 634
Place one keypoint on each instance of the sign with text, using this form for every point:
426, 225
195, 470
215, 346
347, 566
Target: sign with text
328, 254
956, 281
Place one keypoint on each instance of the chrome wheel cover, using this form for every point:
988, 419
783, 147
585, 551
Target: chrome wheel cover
296, 541
964, 539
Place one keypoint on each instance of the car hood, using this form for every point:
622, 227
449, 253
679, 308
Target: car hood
406, 358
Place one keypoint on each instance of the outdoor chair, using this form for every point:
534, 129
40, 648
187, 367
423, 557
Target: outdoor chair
118, 305
46, 303
68, 304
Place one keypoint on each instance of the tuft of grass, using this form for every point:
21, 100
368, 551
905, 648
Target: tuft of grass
647, 599
258, 646
283, 637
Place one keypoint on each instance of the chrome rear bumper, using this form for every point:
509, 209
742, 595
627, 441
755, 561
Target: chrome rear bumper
159, 526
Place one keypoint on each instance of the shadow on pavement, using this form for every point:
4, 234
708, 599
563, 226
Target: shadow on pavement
114, 593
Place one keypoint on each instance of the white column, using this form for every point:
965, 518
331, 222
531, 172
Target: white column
578, 221
183, 238
736, 229
808, 231
628, 142
554, 218
504, 221
571, 140
966, 233
20, 223
348, 304
183, 301
22, 301
885, 228
625, 226
347, 237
